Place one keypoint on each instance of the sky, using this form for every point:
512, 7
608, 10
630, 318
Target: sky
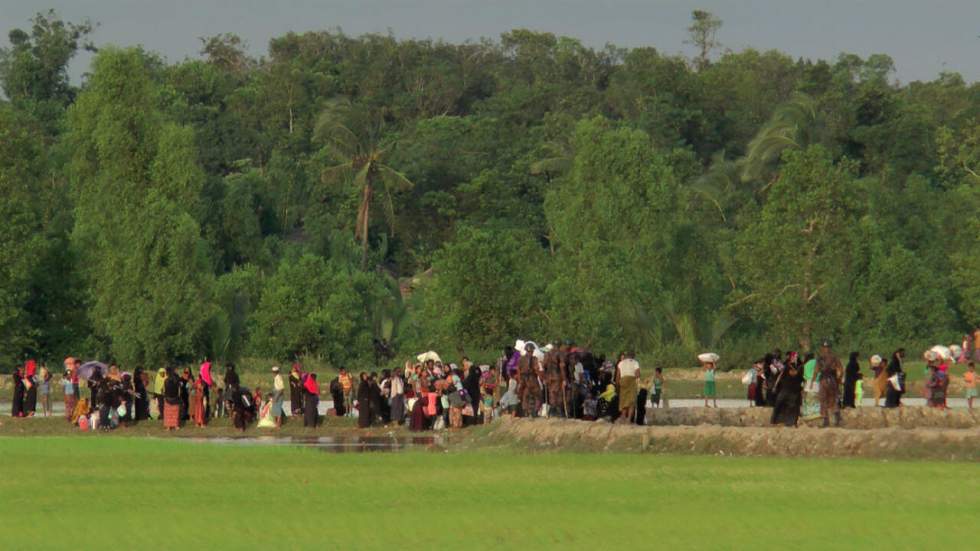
924, 37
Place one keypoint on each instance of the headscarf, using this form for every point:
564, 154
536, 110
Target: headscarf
311, 385
30, 368
609, 393
160, 381
206, 374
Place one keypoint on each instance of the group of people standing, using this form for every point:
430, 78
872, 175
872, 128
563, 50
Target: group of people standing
31, 386
795, 386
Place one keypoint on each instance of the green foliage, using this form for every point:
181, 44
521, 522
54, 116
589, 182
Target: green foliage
611, 222
488, 288
529, 185
796, 255
318, 307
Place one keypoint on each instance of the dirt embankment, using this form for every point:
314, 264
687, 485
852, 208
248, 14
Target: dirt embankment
924, 442
858, 418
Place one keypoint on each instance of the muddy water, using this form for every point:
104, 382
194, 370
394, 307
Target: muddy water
335, 444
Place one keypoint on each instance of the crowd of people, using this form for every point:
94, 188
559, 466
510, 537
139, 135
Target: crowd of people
556, 380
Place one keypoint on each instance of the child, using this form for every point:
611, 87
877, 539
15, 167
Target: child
219, 403
266, 420
44, 390
589, 406
970, 380
658, 387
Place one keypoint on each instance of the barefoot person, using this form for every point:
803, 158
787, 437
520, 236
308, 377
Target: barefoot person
709, 361
627, 378
831, 372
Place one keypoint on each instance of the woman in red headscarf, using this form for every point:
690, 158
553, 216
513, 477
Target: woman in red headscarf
30, 384
311, 401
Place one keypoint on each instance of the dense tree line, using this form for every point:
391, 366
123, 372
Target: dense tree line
342, 190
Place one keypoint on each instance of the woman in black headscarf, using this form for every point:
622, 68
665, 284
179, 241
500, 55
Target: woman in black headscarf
851, 373
337, 395
893, 396
364, 399
472, 386
142, 399
17, 409
296, 391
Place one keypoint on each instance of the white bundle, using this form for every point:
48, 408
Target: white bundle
430, 355
875, 360
708, 358
942, 351
930, 356
956, 350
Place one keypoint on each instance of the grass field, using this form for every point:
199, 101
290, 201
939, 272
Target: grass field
111, 493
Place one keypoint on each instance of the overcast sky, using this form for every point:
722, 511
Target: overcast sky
924, 37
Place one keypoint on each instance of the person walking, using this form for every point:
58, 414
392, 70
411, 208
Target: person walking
171, 400
896, 380
278, 396
627, 380
311, 401
657, 389
296, 391
30, 388
789, 388
851, 373
970, 382
159, 385
44, 390
207, 382
347, 387
831, 373
397, 390
709, 361
528, 386
68, 388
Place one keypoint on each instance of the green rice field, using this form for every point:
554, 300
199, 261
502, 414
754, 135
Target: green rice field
132, 493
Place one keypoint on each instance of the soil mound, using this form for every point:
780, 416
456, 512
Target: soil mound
892, 443
857, 418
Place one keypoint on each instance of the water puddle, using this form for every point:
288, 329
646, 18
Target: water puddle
334, 444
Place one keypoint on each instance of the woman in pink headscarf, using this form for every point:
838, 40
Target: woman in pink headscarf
207, 383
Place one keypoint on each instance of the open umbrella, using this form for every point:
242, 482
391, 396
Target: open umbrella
87, 369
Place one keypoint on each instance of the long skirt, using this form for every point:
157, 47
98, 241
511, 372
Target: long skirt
456, 418
70, 402
310, 413
417, 422
338, 403
398, 409
197, 409
30, 400
627, 393
364, 414
641, 407
171, 415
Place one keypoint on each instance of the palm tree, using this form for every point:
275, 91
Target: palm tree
360, 158
794, 125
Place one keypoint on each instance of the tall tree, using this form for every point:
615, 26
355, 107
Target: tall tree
136, 185
361, 158
794, 256
34, 69
704, 27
